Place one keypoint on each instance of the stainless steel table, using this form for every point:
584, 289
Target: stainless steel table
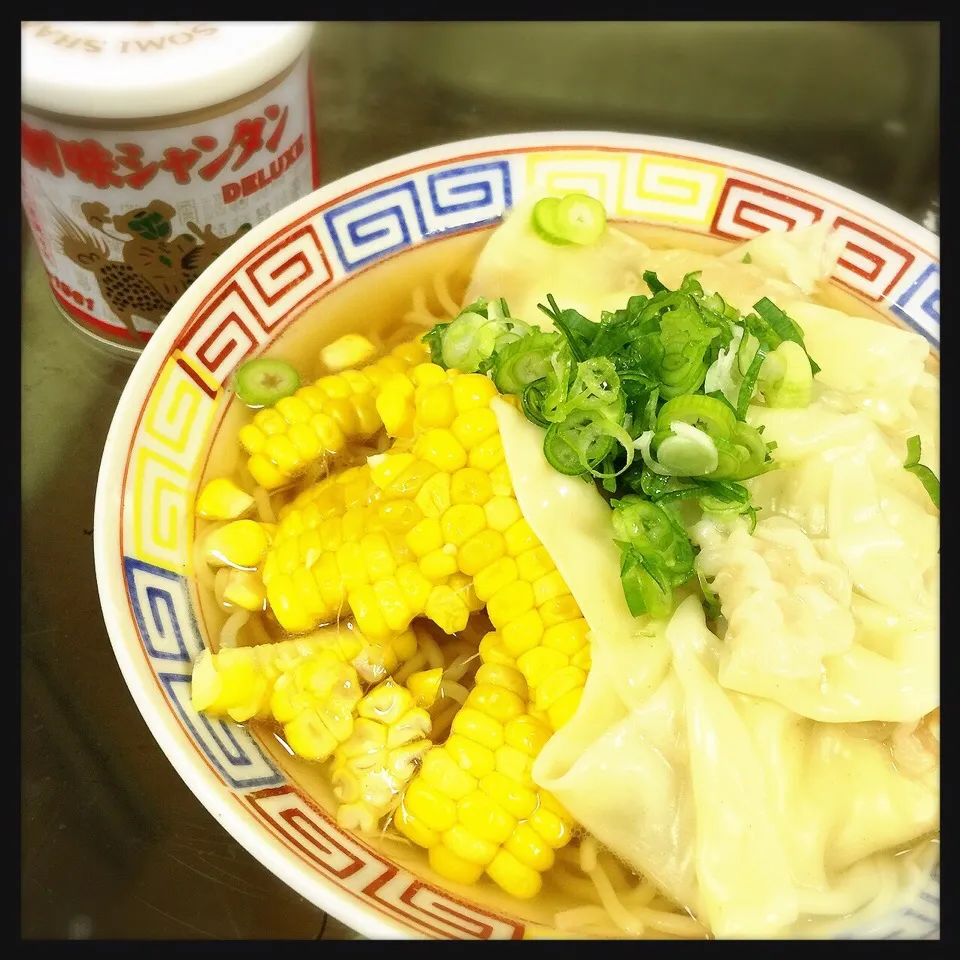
113, 843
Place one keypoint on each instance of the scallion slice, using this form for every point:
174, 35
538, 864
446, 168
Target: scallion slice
924, 474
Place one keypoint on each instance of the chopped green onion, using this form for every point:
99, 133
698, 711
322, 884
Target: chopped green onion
785, 328
711, 600
581, 219
790, 381
262, 382
518, 364
689, 452
747, 258
924, 474
576, 218
750, 382
544, 220
713, 417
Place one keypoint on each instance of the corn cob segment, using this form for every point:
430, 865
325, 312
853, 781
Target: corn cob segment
373, 767
390, 541
321, 418
238, 682
474, 805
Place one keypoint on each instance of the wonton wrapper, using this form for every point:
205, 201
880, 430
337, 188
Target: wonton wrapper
521, 267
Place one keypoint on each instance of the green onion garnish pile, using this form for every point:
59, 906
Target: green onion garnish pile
649, 402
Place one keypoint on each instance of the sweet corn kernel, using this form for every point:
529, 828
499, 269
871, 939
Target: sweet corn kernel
496, 702
497, 675
581, 659
245, 590
430, 806
441, 449
460, 841
378, 556
558, 610
412, 726
500, 481
433, 497
414, 586
385, 468
492, 651
411, 482
494, 578
395, 405
425, 686
264, 472
519, 801
554, 832
480, 551
472, 390
426, 536
428, 374
455, 868
527, 735
241, 543
366, 611
438, 565
251, 438
446, 610
559, 683
474, 427
435, 407
540, 663
488, 455
509, 603
461, 522
222, 499
567, 637
270, 422
350, 350
470, 485
502, 513
413, 828
522, 634
564, 707
530, 848
399, 516
462, 586
484, 817
308, 737
478, 727
520, 538
405, 644
549, 588
470, 756
442, 772
515, 877
534, 564
515, 765
386, 703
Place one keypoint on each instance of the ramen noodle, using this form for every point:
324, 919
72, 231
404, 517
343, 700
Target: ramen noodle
610, 582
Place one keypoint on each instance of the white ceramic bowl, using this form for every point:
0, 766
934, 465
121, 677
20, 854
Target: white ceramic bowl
157, 448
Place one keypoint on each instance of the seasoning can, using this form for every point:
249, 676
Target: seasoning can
148, 148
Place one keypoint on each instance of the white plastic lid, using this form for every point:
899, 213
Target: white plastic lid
128, 69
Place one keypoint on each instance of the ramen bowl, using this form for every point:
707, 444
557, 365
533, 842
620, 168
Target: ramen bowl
297, 279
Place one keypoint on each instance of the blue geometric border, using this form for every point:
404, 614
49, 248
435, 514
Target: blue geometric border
163, 611
425, 204
919, 304
229, 747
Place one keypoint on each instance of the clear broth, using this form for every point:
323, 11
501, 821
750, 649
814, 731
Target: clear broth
373, 303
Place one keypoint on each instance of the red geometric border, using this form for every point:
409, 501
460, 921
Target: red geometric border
217, 295
752, 197
427, 908
860, 280
299, 257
